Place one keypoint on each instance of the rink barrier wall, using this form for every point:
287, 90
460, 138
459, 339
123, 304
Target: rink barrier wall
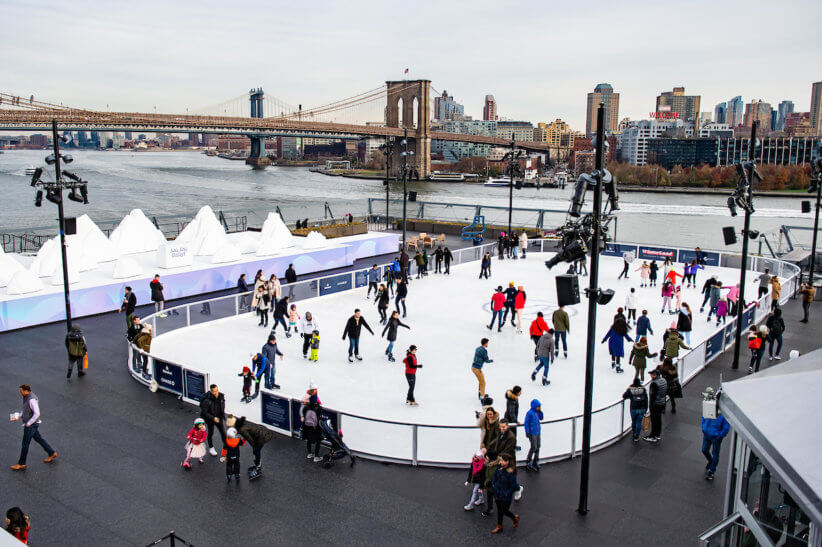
279, 414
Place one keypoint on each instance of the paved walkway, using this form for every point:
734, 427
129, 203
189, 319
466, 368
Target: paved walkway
118, 480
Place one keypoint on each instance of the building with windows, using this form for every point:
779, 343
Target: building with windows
521, 131
735, 108
784, 108
553, 133
452, 151
489, 109
633, 141
816, 107
603, 93
720, 112
758, 111
446, 108
685, 106
798, 124
775, 150
668, 152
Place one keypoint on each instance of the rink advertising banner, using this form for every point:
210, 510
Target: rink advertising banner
335, 284
195, 384
713, 346
296, 430
360, 278
748, 317
275, 411
168, 376
730, 331
656, 253
711, 258
616, 249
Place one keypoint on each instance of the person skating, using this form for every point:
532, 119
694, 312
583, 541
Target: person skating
653, 270
667, 292
505, 484
310, 415
497, 306
670, 372
562, 326
630, 305
627, 258
706, 290
231, 454
30, 416
639, 406
255, 435
480, 358
523, 243
248, 379
280, 313
643, 325
242, 289
616, 337
424, 262
535, 331
391, 327
447, 257
212, 410
764, 280
270, 351
545, 351
714, 296
382, 303
713, 431
510, 303
644, 273
656, 397
476, 478
733, 298
695, 267
373, 278
671, 342
391, 273
501, 246
485, 266
722, 308
776, 327
684, 321
308, 324
128, 305
672, 275
315, 346
401, 294
353, 328
519, 305
293, 320
533, 430
808, 292
196, 445
420, 261
438, 259
700, 256
77, 349
411, 367
639, 355
259, 371
275, 290
678, 298
261, 303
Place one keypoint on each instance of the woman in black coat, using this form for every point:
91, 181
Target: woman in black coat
391, 327
256, 435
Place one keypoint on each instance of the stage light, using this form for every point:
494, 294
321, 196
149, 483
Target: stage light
753, 234
583, 181
74, 196
50, 159
53, 196
67, 158
605, 296
35, 175
66, 137
732, 206
38, 198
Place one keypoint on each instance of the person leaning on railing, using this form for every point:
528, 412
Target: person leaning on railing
808, 292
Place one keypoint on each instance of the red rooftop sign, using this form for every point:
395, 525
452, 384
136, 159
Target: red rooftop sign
664, 115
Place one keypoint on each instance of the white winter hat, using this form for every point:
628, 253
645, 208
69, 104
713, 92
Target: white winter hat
312, 385
479, 455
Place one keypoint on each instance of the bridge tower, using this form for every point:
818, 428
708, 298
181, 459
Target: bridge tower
403, 97
257, 157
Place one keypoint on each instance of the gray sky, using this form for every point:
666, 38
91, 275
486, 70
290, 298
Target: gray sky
539, 59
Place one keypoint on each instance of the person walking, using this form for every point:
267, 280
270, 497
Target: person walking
353, 328
643, 325
30, 416
808, 292
254, 434
713, 431
476, 478
447, 257
639, 406
485, 266
615, 337
644, 273
308, 324
776, 291
391, 327
270, 351
656, 396
157, 296
373, 278
545, 351
401, 294
755, 344
480, 358
411, 367
535, 331
684, 321
77, 349
653, 272
533, 430
519, 305
438, 259
242, 289
670, 373
497, 305
310, 415
505, 484
562, 326
523, 243
639, 356
512, 407
280, 312
128, 305
260, 302
212, 410
290, 274
776, 327
764, 280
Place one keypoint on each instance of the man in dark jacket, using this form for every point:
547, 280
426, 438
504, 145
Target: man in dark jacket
76, 346
507, 442
776, 327
404, 262
157, 296
447, 257
401, 294
270, 353
128, 305
242, 288
353, 327
290, 274
280, 311
438, 260
256, 435
658, 392
510, 299
212, 410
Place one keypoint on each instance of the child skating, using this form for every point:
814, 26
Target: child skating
644, 273
231, 454
315, 346
653, 270
248, 377
476, 478
196, 445
722, 308
293, 318
667, 296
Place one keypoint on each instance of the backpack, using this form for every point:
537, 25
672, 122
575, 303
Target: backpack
76, 344
755, 342
311, 418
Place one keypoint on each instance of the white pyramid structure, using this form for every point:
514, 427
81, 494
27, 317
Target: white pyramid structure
226, 253
315, 240
249, 242
136, 234
8, 267
275, 236
203, 235
126, 267
73, 275
47, 260
24, 281
96, 246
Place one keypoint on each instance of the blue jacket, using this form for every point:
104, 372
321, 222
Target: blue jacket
481, 357
616, 341
505, 484
716, 428
395, 266
643, 326
259, 365
373, 275
532, 418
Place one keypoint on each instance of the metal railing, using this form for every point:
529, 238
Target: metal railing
428, 444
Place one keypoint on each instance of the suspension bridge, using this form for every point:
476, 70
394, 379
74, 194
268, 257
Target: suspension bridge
396, 109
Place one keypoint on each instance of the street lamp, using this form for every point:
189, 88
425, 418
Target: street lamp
54, 194
404, 154
816, 186
388, 150
513, 171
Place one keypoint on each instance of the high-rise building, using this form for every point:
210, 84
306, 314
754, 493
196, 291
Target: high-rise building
733, 117
758, 111
773, 119
798, 124
489, 110
453, 150
447, 109
720, 113
816, 107
785, 108
633, 141
685, 106
603, 93
552, 133
520, 131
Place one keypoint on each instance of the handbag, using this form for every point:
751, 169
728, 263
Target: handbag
85, 361
646, 423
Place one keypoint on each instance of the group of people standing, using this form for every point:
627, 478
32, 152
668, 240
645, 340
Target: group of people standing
508, 245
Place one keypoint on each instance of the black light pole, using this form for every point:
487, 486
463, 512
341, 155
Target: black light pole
817, 175
59, 188
388, 150
405, 154
511, 184
740, 307
592, 293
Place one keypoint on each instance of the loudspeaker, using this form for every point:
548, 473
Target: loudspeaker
806, 206
412, 196
729, 233
567, 290
71, 225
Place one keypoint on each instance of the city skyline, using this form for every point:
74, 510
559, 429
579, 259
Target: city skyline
134, 59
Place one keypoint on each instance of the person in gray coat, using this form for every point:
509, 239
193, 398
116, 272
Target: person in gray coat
545, 351
657, 398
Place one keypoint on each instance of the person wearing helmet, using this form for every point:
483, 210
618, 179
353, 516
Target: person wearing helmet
231, 454
196, 445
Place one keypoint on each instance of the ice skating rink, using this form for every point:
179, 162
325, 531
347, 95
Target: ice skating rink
448, 317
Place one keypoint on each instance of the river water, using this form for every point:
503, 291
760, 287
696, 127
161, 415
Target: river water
179, 183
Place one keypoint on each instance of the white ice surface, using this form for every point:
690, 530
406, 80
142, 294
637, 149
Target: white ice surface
448, 316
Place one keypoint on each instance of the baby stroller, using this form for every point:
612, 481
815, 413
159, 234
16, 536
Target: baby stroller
338, 449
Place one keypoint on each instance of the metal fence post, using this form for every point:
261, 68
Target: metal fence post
154, 324
573, 437
414, 445
188, 315
236, 304
622, 419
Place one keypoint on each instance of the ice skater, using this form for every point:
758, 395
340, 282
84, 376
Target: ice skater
438, 259
537, 328
652, 274
627, 258
684, 321
706, 290
562, 326
382, 303
248, 378
280, 311
308, 324
643, 325
411, 367
545, 352
510, 302
630, 305
644, 273
196, 445
231, 454
259, 366
401, 294
420, 261
485, 266
391, 327
390, 274
523, 243
639, 356
293, 319
721, 311
678, 298
616, 337
270, 351
373, 279
315, 346
519, 305
667, 292
480, 358
353, 328
497, 305
260, 302
447, 257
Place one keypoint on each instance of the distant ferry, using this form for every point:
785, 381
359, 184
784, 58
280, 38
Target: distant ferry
443, 176
504, 180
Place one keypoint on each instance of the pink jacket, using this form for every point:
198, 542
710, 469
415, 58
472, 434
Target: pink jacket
644, 271
667, 290
733, 293
293, 316
721, 308
678, 296
197, 436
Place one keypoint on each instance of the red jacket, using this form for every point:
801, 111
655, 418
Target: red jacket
197, 436
410, 363
497, 301
519, 300
538, 326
